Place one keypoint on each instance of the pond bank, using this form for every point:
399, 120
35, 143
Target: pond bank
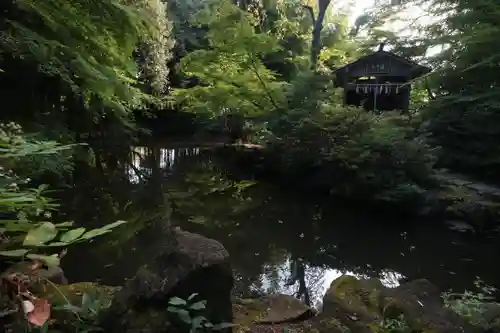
350, 305
464, 204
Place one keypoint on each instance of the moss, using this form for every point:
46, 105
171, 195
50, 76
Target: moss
330, 325
357, 296
245, 315
72, 293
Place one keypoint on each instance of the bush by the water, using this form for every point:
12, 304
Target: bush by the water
352, 152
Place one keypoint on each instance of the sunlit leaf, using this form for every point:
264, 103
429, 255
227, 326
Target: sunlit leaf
40, 235
52, 260
64, 224
113, 225
94, 233
14, 253
54, 244
72, 235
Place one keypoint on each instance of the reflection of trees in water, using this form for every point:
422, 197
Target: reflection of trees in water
390, 278
144, 159
307, 284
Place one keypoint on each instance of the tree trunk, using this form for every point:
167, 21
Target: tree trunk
317, 27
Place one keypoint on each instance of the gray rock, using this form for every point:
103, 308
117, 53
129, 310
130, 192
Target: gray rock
195, 265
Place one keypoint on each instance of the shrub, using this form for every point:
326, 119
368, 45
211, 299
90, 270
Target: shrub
357, 153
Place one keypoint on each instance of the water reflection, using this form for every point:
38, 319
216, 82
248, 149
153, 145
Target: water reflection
279, 242
276, 279
167, 157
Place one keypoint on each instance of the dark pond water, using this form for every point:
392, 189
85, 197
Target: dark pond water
270, 233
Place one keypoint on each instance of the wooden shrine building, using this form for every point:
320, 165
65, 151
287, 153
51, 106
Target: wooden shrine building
380, 81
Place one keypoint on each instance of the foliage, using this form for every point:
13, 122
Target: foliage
38, 156
86, 313
186, 309
232, 77
87, 44
25, 227
155, 48
397, 325
460, 110
302, 121
472, 305
356, 153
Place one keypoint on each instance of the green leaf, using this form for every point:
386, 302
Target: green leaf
52, 260
177, 301
184, 316
57, 244
64, 224
14, 253
72, 235
40, 235
198, 305
173, 309
113, 225
94, 233
193, 295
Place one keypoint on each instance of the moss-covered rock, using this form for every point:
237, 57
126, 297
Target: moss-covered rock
421, 305
366, 306
355, 303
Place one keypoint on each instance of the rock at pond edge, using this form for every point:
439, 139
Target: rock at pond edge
195, 265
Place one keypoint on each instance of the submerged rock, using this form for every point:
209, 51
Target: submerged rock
195, 265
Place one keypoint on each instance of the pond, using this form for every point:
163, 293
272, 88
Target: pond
279, 241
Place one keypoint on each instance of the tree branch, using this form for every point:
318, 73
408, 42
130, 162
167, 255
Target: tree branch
311, 12
264, 86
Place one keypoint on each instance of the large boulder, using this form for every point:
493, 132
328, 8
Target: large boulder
196, 265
